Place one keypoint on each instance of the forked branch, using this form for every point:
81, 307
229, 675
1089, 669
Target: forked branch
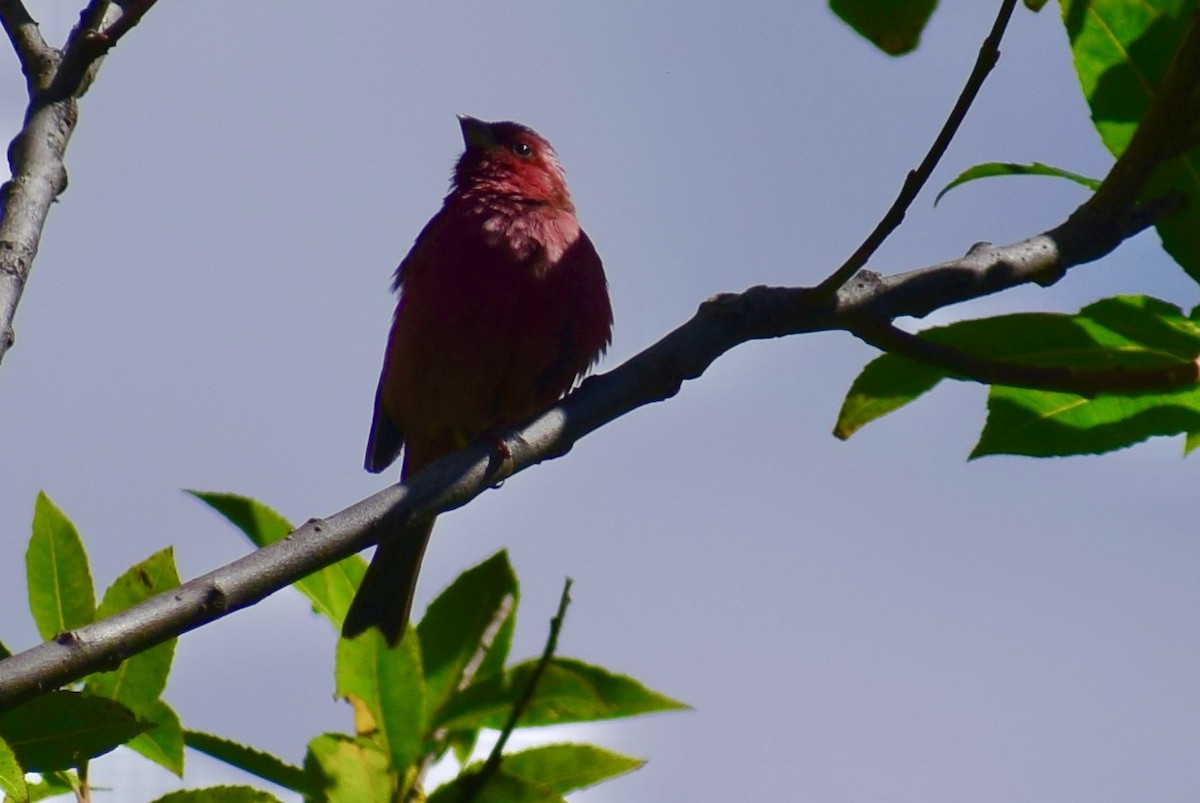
54, 82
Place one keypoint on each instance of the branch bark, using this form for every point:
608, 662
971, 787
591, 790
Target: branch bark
656, 374
989, 54
54, 81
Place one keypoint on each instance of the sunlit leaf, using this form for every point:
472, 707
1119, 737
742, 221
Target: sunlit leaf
140, 679
992, 169
1134, 332
61, 595
462, 621
163, 743
501, 786
568, 691
568, 767
1121, 50
53, 784
387, 688
12, 777
219, 794
348, 770
1143, 333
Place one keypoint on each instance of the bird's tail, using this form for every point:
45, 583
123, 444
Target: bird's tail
384, 600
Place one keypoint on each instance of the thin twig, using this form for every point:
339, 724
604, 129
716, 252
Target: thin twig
101, 25
492, 765
989, 54
37, 58
36, 154
131, 16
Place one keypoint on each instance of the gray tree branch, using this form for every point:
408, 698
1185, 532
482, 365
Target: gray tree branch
55, 81
654, 375
657, 373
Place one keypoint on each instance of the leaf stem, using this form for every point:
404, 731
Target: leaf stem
492, 765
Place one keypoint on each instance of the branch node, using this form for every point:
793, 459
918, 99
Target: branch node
989, 54
215, 600
67, 638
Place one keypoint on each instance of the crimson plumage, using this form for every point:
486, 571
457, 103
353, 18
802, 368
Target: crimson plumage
503, 307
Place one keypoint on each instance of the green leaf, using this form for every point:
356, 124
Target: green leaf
386, 687
569, 691
894, 26
219, 794
348, 770
1130, 331
462, 622
1127, 331
4, 652
462, 743
154, 575
1034, 5
1191, 442
61, 729
568, 767
990, 169
890, 381
887, 383
139, 681
329, 590
12, 777
53, 784
61, 595
1040, 424
1122, 50
163, 743
500, 787
264, 765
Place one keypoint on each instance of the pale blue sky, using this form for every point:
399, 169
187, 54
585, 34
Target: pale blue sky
863, 621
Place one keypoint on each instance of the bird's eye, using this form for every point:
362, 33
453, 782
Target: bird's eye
522, 149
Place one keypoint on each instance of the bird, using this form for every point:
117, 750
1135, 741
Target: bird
502, 308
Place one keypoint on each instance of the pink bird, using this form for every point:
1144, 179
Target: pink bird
503, 307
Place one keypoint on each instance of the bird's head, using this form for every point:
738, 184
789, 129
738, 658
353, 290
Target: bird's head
512, 160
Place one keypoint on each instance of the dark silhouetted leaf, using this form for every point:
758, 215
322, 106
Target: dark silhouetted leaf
894, 26
60, 729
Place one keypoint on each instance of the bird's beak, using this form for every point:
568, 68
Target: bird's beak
476, 133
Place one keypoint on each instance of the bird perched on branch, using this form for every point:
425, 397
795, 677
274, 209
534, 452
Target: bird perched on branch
503, 307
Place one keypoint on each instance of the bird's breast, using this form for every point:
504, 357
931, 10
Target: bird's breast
534, 238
